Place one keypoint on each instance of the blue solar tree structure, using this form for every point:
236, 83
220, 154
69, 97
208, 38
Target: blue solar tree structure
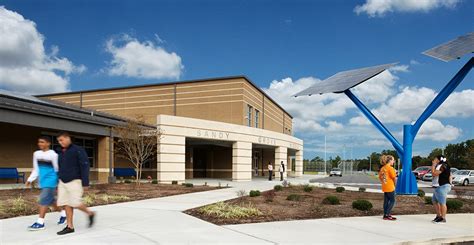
342, 82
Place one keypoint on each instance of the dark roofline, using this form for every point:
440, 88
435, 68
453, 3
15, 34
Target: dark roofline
87, 115
171, 83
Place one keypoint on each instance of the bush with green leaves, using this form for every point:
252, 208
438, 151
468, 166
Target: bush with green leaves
254, 193
174, 182
269, 195
340, 189
127, 181
278, 187
154, 181
362, 189
331, 200
294, 197
454, 204
308, 188
428, 200
230, 211
188, 184
421, 193
362, 205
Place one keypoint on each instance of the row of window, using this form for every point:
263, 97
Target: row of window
250, 119
90, 145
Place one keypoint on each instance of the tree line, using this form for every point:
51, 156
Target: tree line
460, 155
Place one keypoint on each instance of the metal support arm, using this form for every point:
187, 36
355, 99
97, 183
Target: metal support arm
375, 121
443, 95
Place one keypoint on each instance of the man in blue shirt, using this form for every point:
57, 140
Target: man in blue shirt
73, 178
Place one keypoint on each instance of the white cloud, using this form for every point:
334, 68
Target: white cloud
133, 58
433, 129
379, 8
24, 64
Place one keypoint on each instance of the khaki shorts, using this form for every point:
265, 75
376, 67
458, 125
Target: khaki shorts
70, 194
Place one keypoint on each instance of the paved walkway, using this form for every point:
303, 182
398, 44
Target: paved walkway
160, 221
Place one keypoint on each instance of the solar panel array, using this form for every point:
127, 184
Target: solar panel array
344, 80
453, 49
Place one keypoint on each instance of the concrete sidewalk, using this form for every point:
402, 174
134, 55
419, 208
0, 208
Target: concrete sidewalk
160, 221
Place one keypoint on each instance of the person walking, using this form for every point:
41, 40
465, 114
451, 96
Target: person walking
282, 170
270, 171
73, 178
388, 178
440, 194
45, 168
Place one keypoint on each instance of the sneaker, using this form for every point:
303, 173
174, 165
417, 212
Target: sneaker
36, 227
91, 219
435, 219
440, 221
392, 218
62, 220
65, 231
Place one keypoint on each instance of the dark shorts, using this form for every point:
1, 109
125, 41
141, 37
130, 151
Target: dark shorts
46, 197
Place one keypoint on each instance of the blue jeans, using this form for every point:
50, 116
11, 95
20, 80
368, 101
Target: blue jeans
46, 197
441, 193
388, 202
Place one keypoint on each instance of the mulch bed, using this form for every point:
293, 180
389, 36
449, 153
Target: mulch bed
311, 207
19, 202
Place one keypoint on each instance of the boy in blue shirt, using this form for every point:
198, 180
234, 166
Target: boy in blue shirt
45, 168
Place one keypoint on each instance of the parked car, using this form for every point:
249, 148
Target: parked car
428, 176
463, 177
421, 171
335, 172
454, 170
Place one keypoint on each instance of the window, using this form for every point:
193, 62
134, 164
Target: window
257, 115
89, 145
249, 115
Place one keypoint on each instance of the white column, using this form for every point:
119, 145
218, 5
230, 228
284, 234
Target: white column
241, 161
299, 163
281, 154
171, 159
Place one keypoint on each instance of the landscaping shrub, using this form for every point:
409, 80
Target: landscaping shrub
362, 205
331, 200
294, 197
89, 199
17, 206
421, 193
113, 198
230, 211
340, 189
278, 188
308, 188
362, 189
154, 181
254, 193
188, 184
127, 181
454, 204
428, 200
174, 182
269, 195
241, 193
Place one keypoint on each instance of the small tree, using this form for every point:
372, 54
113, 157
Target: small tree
136, 142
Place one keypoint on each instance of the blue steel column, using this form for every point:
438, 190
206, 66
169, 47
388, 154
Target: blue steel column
406, 182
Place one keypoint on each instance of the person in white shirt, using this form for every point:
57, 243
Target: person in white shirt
45, 169
270, 171
282, 170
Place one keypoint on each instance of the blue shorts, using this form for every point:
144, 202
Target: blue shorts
46, 197
441, 193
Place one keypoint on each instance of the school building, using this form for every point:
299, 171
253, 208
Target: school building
225, 128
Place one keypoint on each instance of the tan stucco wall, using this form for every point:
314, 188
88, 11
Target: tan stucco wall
223, 100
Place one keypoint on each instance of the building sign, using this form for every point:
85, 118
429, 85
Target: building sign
213, 134
266, 140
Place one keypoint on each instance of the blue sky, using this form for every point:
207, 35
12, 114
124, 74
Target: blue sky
289, 43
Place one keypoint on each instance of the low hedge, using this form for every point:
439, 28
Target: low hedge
421, 193
278, 187
454, 204
362, 205
340, 189
308, 188
294, 197
331, 200
254, 193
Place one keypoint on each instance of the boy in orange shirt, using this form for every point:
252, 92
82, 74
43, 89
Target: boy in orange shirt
388, 177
